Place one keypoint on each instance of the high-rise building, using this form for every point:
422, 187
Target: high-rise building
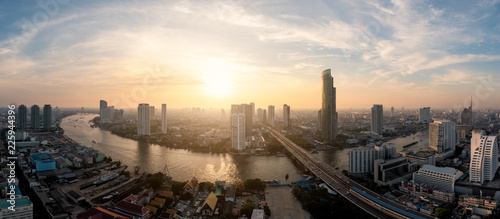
392, 111
118, 115
259, 114
264, 116
35, 117
386, 151
143, 120
252, 105
109, 114
319, 119
102, 109
164, 118
361, 160
442, 136
247, 110
238, 131
424, 115
151, 112
329, 115
286, 116
270, 115
22, 121
23, 208
47, 117
377, 118
484, 157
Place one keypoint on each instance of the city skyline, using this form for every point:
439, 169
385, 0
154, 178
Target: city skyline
214, 54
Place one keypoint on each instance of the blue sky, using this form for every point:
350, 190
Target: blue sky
214, 53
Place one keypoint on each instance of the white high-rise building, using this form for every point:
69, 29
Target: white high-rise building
238, 131
143, 120
377, 119
164, 118
270, 115
424, 115
484, 157
438, 177
361, 160
442, 136
286, 116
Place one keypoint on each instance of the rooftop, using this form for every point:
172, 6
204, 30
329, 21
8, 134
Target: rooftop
445, 170
19, 202
42, 157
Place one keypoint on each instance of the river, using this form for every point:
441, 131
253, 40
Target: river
184, 164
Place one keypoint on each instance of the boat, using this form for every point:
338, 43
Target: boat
94, 142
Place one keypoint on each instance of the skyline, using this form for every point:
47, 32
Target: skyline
215, 54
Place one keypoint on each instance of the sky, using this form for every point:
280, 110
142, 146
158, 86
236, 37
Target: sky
410, 54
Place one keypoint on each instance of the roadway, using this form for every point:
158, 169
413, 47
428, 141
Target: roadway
340, 183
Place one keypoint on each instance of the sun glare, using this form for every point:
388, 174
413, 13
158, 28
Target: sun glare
217, 80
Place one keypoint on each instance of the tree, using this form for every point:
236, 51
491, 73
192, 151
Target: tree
178, 187
136, 170
254, 184
267, 211
156, 182
186, 196
442, 213
247, 208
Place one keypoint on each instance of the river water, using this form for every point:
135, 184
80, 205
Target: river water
184, 164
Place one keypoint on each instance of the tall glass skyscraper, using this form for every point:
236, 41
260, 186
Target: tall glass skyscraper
329, 116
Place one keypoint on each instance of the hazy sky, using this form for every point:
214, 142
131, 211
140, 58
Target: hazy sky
214, 53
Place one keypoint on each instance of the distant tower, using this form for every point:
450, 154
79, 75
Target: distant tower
47, 117
392, 111
264, 116
270, 115
151, 112
424, 115
247, 110
286, 116
238, 131
102, 109
329, 115
252, 105
22, 117
377, 119
35, 117
143, 120
164, 118
259, 114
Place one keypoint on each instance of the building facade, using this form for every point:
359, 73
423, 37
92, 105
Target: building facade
270, 115
35, 117
438, 177
424, 115
47, 117
329, 115
103, 105
22, 117
442, 136
164, 118
143, 119
43, 162
361, 160
238, 131
377, 119
484, 157
286, 116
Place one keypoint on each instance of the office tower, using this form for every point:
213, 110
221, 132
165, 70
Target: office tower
109, 114
425, 115
35, 117
329, 115
238, 131
319, 119
164, 118
286, 116
247, 110
361, 160
442, 136
467, 115
270, 115
102, 109
259, 114
437, 177
151, 112
143, 120
264, 116
118, 115
484, 157
47, 116
22, 121
377, 119
252, 105
384, 152
392, 111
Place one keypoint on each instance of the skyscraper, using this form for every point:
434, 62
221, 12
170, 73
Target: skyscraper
22, 121
270, 115
151, 112
484, 157
35, 117
319, 119
442, 136
264, 116
102, 109
467, 115
143, 120
286, 116
238, 131
47, 117
247, 110
424, 114
377, 118
164, 118
252, 105
329, 116
392, 111
259, 114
